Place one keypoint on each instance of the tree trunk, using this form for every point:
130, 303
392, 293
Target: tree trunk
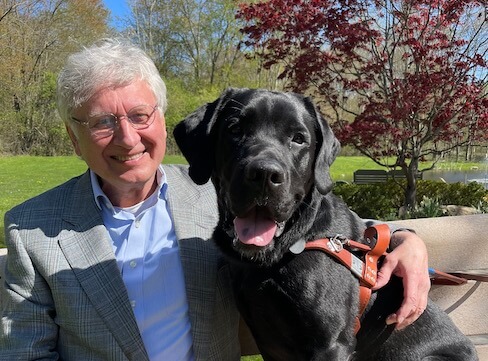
411, 190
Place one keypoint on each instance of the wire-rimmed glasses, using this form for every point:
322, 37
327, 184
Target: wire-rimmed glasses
104, 125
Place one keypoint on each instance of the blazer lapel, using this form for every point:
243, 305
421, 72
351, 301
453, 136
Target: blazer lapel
89, 252
198, 255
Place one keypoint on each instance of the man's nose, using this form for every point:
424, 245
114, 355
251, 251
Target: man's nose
125, 134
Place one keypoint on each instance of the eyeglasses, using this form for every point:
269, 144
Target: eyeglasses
104, 125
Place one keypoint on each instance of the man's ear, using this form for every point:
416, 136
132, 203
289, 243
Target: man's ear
74, 140
196, 139
328, 147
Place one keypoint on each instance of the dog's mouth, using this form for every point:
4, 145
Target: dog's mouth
257, 227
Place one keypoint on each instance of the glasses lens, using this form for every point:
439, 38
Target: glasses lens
142, 116
102, 123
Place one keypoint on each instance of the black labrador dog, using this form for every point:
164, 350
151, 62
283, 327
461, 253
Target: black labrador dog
268, 155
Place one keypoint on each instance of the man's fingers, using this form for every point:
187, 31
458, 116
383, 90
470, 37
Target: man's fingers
384, 275
414, 303
409, 261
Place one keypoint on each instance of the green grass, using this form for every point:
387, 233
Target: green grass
344, 167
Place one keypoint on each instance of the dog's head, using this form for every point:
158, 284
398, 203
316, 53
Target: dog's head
265, 152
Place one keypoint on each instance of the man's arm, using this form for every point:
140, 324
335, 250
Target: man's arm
27, 328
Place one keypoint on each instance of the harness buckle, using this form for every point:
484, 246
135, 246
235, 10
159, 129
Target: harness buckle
336, 243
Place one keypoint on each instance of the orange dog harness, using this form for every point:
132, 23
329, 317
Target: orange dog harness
366, 269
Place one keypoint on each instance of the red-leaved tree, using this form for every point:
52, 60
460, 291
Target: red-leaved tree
403, 80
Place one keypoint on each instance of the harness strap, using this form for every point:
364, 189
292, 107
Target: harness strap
366, 271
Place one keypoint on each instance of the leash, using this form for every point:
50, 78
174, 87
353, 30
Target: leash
366, 271
458, 277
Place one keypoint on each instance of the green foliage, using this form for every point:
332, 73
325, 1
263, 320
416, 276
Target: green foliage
376, 201
483, 204
183, 99
428, 207
452, 193
30, 63
384, 200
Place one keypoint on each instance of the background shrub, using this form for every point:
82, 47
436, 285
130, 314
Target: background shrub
384, 200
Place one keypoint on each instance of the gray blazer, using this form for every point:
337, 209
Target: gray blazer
66, 299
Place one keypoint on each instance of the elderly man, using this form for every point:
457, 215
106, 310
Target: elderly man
116, 264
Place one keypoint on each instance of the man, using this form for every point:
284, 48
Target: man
116, 264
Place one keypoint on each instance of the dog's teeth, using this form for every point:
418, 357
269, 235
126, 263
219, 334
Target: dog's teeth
280, 227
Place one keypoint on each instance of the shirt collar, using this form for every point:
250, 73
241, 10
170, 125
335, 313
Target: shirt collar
100, 196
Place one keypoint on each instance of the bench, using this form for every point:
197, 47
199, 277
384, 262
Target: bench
368, 176
457, 243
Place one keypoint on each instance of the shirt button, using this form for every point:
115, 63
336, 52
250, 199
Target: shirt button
133, 303
137, 223
133, 264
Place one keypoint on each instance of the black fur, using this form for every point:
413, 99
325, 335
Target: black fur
268, 154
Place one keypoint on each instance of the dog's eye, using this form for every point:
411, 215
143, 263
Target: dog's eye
298, 138
234, 128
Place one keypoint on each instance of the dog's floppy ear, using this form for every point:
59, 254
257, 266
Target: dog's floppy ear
194, 137
328, 147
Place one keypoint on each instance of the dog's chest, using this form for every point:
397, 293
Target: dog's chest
308, 294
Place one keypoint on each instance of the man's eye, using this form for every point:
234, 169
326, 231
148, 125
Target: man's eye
104, 122
139, 118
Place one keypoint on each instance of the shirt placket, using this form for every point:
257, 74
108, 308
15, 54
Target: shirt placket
133, 266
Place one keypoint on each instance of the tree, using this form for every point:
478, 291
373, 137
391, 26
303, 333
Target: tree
189, 37
37, 35
403, 80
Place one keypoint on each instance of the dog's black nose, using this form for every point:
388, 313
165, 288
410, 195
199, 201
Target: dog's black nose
265, 173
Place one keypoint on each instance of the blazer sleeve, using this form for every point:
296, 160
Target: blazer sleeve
28, 330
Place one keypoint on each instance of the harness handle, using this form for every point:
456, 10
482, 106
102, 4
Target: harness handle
380, 234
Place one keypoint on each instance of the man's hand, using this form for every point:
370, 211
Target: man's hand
409, 261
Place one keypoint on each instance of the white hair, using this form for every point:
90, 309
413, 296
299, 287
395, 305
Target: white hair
109, 63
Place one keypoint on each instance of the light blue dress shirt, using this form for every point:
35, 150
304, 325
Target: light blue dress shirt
147, 254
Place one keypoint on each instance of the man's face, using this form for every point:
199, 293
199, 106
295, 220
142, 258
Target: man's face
125, 161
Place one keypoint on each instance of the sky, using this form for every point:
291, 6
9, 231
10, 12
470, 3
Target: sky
118, 9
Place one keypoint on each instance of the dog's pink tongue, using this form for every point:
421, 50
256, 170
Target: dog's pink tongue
255, 230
